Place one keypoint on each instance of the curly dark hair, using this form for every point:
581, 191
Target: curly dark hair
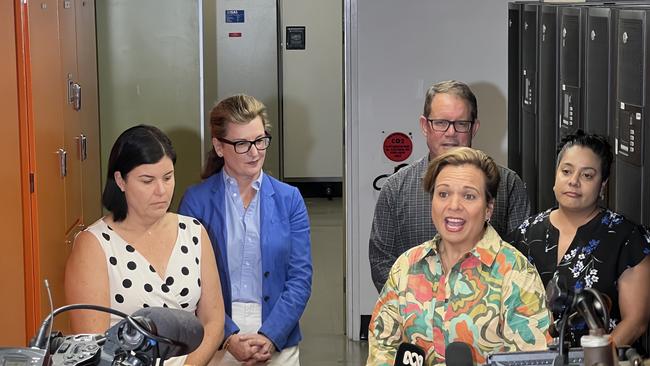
597, 143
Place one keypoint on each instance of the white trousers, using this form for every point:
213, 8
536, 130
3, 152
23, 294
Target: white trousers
249, 319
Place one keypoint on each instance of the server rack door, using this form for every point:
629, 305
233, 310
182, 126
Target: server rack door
630, 119
599, 81
514, 87
547, 106
571, 51
529, 49
598, 74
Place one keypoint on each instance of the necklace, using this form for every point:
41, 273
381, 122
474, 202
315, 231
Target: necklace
443, 261
137, 234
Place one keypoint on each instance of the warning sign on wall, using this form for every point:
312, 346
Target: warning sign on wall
398, 146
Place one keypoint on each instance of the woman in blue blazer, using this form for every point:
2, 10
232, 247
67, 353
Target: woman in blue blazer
260, 233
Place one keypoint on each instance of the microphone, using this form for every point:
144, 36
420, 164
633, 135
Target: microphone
633, 357
409, 354
458, 354
178, 332
593, 307
559, 296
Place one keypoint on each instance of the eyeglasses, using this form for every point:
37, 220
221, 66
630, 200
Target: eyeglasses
442, 125
244, 146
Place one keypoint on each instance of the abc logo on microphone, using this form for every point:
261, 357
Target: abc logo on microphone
412, 359
409, 355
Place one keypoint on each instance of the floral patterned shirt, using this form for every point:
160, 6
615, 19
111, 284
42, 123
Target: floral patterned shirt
492, 299
600, 252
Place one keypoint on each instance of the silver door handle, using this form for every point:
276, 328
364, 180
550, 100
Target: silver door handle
83, 147
63, 162
76, 96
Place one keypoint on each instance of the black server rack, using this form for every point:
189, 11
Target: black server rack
632, 40
571, 56
514, 87
528, 133
547, 116
599, 80
598, 75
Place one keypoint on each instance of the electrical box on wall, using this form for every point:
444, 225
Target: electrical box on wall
296, 38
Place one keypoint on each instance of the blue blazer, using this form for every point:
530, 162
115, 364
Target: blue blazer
285, 247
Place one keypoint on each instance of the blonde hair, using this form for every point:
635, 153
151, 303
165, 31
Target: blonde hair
465, 156
239, 109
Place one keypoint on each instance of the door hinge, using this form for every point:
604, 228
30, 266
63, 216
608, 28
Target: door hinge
31, 182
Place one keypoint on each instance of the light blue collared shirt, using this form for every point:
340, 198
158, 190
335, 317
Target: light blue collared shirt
243, 236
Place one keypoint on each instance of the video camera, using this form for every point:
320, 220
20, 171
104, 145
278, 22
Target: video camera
140, 339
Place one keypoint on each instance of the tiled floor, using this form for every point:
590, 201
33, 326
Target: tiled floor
323, 323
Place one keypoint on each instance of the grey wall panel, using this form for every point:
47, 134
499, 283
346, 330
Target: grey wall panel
247, 61
312, 92
149, 72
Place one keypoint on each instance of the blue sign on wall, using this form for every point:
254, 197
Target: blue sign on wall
234, 16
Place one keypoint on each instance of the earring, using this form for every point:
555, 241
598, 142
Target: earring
220, 155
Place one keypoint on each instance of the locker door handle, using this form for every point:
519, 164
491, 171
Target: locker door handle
69, 84
83, 147
76, 96
63, 162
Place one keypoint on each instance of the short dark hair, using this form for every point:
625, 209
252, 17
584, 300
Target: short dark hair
464, 156
597, 143
138, 145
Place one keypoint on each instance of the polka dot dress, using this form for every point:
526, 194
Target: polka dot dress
135, 283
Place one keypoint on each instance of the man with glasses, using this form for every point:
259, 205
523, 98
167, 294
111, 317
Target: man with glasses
402, 217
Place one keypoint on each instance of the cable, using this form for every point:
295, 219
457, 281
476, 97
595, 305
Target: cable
38, 342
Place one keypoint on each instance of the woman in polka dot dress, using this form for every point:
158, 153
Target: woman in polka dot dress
140, 255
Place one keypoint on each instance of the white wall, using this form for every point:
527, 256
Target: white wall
395, 50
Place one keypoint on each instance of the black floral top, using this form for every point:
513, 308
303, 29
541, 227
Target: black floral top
600, 252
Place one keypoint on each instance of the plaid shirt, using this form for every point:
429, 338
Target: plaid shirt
403, 215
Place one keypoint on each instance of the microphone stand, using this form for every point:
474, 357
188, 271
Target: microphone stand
562, 357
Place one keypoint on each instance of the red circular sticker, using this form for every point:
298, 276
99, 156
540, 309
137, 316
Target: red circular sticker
398, 146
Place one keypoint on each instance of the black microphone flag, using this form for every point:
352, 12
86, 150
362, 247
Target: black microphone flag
409, 354
458, 354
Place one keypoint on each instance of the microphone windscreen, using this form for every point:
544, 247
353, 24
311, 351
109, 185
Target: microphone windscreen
178, 325
633, 356
409, 354
559, 294
458, 354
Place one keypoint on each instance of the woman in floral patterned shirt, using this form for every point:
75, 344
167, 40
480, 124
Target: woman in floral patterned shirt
588, 246
466, 284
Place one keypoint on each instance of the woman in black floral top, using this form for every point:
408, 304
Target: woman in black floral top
588, 246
